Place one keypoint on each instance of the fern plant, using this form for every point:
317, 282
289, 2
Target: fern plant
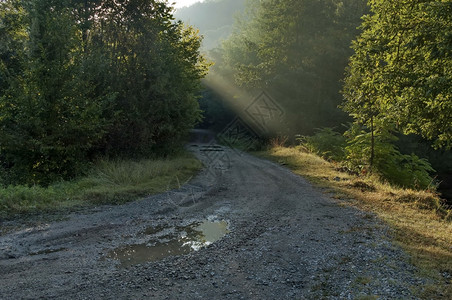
405, 170
326, 143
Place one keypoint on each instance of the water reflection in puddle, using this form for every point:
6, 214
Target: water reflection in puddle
171, 242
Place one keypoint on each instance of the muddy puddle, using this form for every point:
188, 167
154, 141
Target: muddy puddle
170, 241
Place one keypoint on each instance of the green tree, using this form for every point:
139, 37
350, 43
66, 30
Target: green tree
12, 42
155, 69
401, 72
297, 50
48, 118
84, 78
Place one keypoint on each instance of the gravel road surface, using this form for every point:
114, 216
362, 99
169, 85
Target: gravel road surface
283, 239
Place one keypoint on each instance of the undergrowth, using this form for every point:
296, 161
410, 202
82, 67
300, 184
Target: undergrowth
421, 223
109, 182
353, 151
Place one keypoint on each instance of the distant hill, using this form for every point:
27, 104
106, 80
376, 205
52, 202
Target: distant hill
213, 18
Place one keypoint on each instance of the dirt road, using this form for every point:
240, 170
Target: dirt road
283, 239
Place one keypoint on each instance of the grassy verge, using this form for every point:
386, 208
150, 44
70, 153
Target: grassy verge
109, 182
421, 225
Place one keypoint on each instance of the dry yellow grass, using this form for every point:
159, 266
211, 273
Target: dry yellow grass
420, 224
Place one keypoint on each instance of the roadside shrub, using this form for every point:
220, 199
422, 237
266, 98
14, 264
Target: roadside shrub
325, 142
404, 170
407, 171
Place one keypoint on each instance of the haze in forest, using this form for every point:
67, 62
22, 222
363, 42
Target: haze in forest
323, 73
213, 18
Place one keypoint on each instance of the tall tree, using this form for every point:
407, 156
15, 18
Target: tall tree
48, 119
83, 78
401, 72
155, 70
296, 49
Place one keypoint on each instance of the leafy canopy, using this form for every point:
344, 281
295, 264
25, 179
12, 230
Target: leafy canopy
401, 72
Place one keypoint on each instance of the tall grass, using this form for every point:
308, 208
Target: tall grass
132, 173
109, 182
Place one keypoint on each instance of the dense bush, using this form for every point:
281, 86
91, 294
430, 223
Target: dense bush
405, 170
325, 142
353, 150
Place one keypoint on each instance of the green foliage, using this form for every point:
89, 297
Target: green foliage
401, 71
405, 170
77, 82
326, 143
48, 103
25, 198
399, 78
109, 182
441, 159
